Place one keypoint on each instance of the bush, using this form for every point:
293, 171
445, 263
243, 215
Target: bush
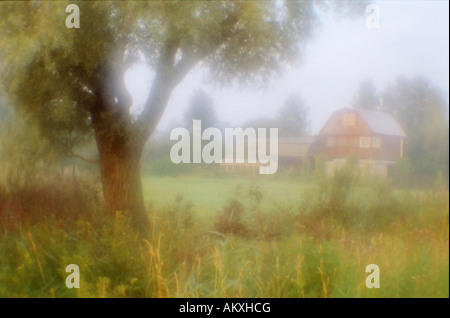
229, 219
59, 199
265, 248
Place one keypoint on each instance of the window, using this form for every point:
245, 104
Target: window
342, 142
376, 142
364, 142
331, 142
348, 119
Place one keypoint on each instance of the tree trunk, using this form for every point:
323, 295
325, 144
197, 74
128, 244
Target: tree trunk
119, 159
120, 140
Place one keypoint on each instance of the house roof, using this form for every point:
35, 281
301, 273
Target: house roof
381, 123
378, 122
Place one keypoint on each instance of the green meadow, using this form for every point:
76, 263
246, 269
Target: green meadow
209, 193
103, 104
234, 236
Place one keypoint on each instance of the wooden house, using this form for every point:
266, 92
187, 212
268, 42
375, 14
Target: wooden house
294, 154
374, 138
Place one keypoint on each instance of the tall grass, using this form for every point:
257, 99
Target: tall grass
255, 246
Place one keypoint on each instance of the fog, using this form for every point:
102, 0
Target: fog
238, 191
413, 39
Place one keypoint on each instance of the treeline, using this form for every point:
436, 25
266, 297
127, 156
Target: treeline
422, 110
292, 120
418, 105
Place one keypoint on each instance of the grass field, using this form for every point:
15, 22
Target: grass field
284, 236
210, 193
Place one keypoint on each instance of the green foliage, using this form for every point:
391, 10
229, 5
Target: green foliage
69, 83
422, 111
334, 192
315, 244
22, 150
180, 214
165, 167
59, 76
230, 219
311, 255
201, 107
48, 199
67, 67
293, 117
367, 96
403, 168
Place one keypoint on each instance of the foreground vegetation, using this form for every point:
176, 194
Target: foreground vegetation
245, 238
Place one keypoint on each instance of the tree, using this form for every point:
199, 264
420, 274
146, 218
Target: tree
367, 96
61, 75
293, 117
421, 109
201, 106
22, 150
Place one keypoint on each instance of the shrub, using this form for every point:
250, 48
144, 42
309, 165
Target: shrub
59, 199
229, 220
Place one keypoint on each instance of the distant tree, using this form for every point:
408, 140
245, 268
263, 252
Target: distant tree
59, 75
367, 96
201, 106
422, 110
293, 117
22, 149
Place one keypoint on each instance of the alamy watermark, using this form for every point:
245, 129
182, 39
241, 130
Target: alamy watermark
373, 16
73, 19
373, 279
73, 279
239, 145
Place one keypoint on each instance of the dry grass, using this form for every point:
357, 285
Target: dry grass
254, 247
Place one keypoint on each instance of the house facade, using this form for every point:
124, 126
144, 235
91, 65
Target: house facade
294, 154
374, 138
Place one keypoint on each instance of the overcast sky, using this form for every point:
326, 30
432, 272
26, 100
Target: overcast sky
413, 39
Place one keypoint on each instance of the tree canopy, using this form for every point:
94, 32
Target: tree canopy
70, 82
293, 117
58, 73
201, 106
367, 96
422, 111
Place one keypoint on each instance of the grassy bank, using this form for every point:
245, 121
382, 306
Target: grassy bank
238, 237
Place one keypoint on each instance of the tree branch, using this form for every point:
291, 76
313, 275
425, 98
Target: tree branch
169, 75
73, 154
161, 89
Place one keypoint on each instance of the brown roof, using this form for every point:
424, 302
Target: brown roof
378, 122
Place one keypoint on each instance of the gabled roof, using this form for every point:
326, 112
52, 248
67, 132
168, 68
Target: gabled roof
381, 123
378, 122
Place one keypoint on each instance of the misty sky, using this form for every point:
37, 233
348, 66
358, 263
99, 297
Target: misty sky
413, 39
